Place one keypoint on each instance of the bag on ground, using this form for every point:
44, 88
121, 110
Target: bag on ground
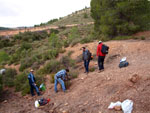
123, 64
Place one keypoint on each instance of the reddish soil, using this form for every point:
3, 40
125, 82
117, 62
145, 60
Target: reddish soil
16, 31
93, 93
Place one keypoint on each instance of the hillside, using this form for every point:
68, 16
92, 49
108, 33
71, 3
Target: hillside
93, 93
75, 19
55, 46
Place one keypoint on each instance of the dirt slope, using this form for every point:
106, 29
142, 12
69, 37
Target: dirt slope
93, 93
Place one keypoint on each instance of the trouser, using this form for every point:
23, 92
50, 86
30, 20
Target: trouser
86, 65
61, 82
32, 87
101, 62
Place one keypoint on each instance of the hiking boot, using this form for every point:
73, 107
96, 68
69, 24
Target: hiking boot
39, 94
101, 70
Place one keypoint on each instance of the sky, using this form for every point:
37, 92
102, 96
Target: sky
18, 13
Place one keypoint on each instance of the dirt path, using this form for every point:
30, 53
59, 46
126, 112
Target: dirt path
33, 29
93, 93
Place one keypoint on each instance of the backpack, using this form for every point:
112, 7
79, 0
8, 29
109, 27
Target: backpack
104, 49
90, 57
123, 64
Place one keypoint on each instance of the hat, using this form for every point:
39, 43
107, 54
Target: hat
100, 42
31, 70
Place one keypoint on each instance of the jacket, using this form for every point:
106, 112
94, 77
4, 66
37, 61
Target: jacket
31, 79
85, 55
99, 48
61, 74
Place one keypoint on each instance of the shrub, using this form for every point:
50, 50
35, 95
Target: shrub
27, 62
67, 84
51, 66
1, 84
22, 84
3, 56
70, 53
85, 15
73, 74
52, 78
25, 46
92, 69
142, 38
54, 41
9, 77
67, 62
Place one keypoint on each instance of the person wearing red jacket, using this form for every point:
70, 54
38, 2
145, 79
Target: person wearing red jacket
100, 56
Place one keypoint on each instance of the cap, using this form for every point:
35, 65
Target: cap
31, 70
100, 41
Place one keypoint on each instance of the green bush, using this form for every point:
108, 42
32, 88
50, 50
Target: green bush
122, 38
70, 53
52, 78
27, 62
67, 84
50, 54
1, 84
25, 46
51, 66
85, 15
67, 62
142, 38
92, 69
54, 41
4, 42
9, 77
73, 74
3, 56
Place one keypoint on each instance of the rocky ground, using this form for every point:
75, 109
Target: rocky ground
93, 93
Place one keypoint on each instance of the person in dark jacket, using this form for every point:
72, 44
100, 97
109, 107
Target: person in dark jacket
60, 77
32, 83
86, 59
101, 57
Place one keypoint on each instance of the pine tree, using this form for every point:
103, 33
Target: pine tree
120, 17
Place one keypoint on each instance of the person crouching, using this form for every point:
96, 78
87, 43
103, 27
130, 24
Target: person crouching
60, 77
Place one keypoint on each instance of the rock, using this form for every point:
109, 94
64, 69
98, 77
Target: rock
108, 78
5, 101
134, 78
66, 104
117, 108
65, 111
85, 103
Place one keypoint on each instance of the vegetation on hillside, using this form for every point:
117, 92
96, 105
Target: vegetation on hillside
4, 28
120, 17
39, 50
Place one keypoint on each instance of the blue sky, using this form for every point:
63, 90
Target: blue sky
15, 13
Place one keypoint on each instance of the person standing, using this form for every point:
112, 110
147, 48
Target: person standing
86, 59
60, 77
32, 83
100, 56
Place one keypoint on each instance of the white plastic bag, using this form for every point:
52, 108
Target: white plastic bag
112, 104
123, 59
37, 104
127, 106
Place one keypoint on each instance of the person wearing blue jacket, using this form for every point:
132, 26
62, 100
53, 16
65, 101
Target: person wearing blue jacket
60, 77
86, 59
32, 83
